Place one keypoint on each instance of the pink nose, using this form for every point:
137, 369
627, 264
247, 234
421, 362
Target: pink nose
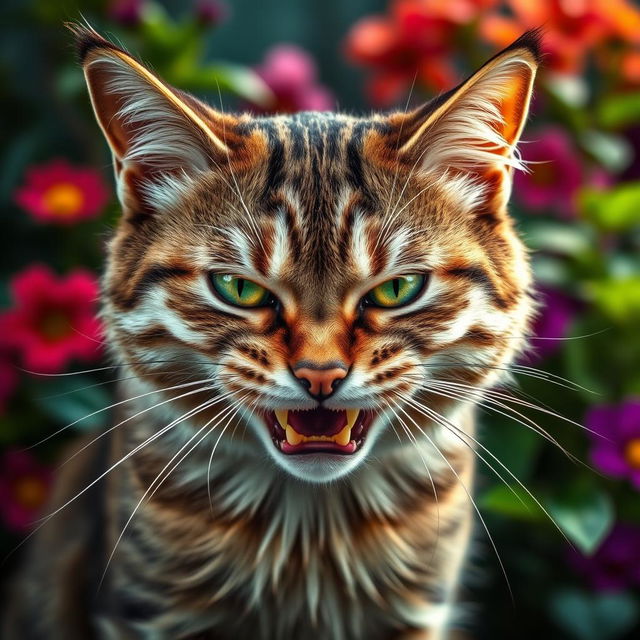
319, 381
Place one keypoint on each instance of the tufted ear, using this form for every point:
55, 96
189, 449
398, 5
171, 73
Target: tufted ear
474, 129
159, 136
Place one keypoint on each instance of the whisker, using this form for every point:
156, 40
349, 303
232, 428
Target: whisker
115, 404
473, 502
159, 480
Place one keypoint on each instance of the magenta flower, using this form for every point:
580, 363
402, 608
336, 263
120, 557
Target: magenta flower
211, 12
615, 446
291, 74
554, 174
553, 322
60, 193
126, 12
24, 488
53, 319
615, 565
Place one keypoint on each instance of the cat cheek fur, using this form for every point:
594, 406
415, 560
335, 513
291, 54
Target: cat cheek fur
206, 535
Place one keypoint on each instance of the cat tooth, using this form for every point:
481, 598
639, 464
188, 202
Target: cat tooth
282, 417
352, 416
293, 437
343, 437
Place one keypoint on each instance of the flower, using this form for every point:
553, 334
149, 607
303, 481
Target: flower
211, 12
616, 563
553, 321
60, 193
416, 40
554, 173
53, 319
8, 373
126, 12
615, 435
572, 30
24, 488
291, 74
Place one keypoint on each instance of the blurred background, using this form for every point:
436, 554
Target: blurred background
574, 570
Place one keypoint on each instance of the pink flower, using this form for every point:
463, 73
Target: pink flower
24, 488
555, 174
53, 319
291, 74
62, 194
615, 440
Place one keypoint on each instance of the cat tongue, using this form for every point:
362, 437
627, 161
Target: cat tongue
317, 422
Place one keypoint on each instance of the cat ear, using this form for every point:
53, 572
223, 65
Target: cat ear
474, 129
159, 137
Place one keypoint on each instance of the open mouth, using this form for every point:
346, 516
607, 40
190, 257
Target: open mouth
319, 430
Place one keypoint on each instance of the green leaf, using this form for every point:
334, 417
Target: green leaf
618, 298
619, 110
511, 501
613, 210
75, 398
556, 237
611, 151
584, 512
585, 616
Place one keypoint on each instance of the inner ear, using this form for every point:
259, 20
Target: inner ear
160, 137
473, 129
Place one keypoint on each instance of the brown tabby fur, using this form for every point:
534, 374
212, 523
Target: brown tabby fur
235, 541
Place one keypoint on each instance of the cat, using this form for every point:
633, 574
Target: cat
304, 310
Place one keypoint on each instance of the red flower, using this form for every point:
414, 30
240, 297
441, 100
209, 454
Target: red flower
24, 488
416, 40
571, 29
291, 74
53, 319
59, 193
8, 372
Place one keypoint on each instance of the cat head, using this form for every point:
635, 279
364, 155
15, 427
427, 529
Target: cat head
332, 283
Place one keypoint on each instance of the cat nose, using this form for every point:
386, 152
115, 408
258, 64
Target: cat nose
320, 380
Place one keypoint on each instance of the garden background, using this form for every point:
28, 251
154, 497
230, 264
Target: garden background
578, 209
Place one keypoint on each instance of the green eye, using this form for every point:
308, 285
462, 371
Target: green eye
240, 291
397, 291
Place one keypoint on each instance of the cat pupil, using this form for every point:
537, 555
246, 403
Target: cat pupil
396, 286
240, 282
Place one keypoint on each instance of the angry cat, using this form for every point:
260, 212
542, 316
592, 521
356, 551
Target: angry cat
304, 310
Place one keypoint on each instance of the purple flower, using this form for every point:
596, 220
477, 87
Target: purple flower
555, 174
553, 321
211, 12
615, 565
616, 440
291, 74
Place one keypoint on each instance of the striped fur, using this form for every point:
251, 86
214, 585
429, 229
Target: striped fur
231, 538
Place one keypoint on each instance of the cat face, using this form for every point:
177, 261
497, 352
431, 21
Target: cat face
316, 277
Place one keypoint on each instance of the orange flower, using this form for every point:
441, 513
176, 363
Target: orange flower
572, 28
